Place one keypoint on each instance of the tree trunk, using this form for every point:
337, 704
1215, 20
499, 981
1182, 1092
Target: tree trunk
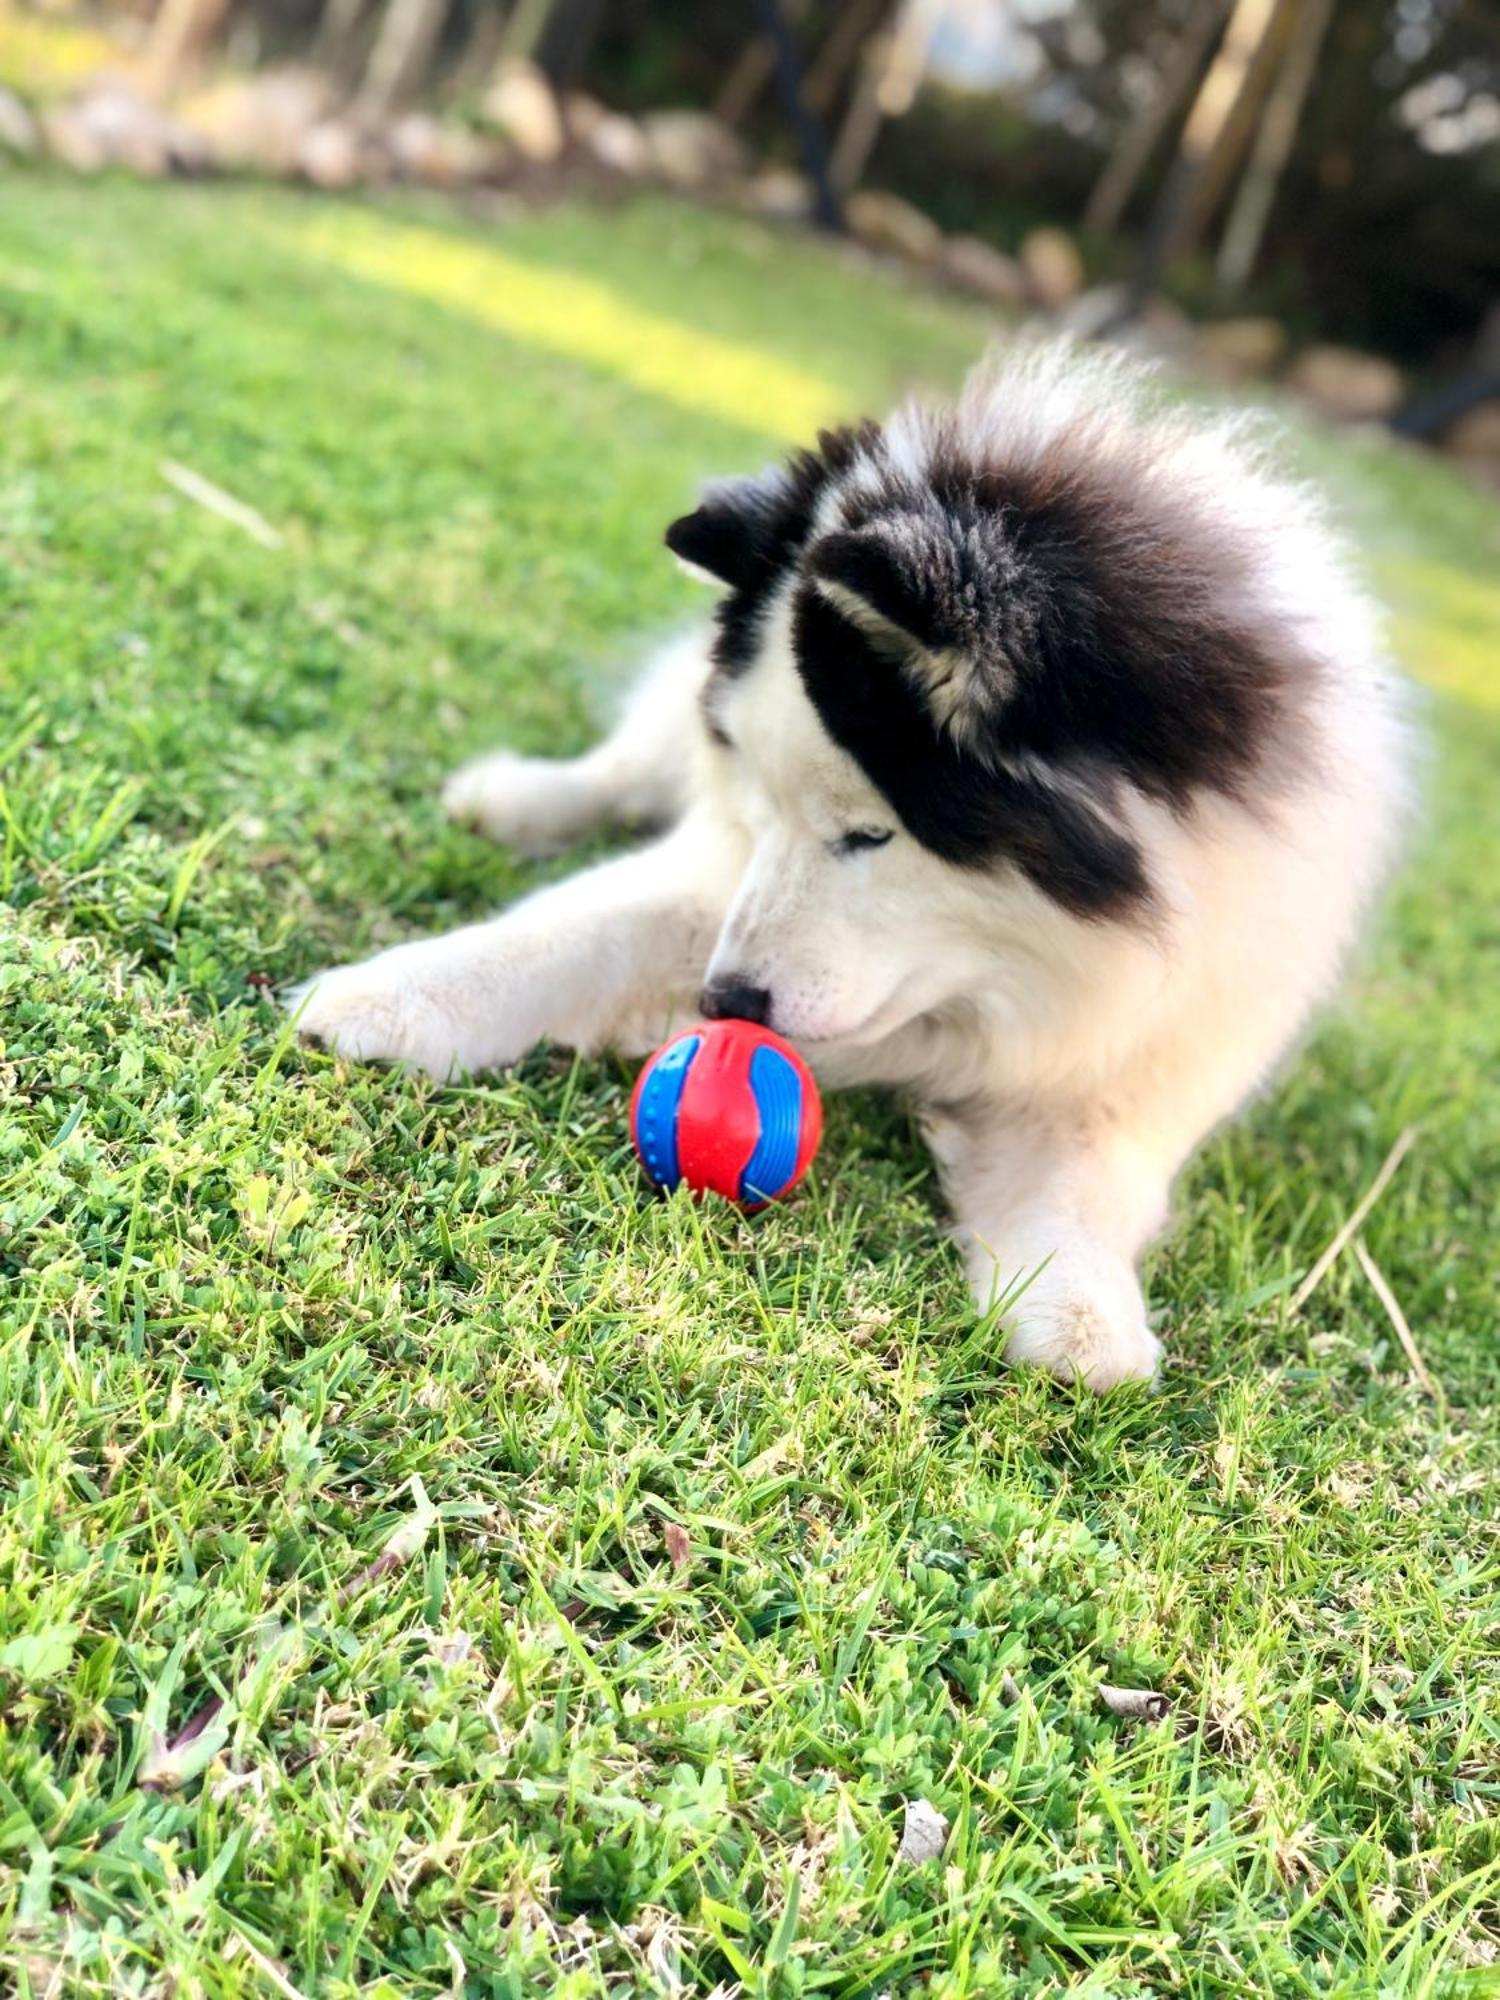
482, 50
1215, 135
747, 76
338, 26
1145, 131
402, 54
1222, 119
893, 68
1246, 228
179, 40
525, 29
829, 70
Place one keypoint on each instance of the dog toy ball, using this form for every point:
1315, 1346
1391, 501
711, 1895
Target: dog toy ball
730, 1108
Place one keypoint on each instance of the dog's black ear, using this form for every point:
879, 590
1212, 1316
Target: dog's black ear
732, 532
938, 594
883, 579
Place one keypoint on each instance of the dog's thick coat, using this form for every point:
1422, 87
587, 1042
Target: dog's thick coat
1042, 761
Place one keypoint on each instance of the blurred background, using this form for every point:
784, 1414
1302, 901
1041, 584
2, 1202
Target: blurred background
1303, 190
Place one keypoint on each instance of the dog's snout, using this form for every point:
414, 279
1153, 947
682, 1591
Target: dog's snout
735, 999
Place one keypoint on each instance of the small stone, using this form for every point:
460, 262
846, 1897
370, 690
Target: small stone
978, 267
1162, 331
1155, 327
615, 143
189, 151
110, 127
582, 113
1347, 385
691, 149
425, 150
1053, 267
19, 132
1239, 350
413, 141
924, 1833
72, 142
259, 124
1475, 440
779, 194
522, 102
893, 226
333, 156
1476, 434
1092, 313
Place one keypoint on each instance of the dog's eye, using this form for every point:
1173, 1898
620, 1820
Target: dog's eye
861, 840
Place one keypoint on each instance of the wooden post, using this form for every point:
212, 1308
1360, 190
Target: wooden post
853, 25
179, 40
1248, 217
402, 54
1221, 121
1145, 131
892, 71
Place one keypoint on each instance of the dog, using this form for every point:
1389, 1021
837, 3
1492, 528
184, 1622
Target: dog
1041, 761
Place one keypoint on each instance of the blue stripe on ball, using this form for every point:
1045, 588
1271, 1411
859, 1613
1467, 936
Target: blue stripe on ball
777, 1090
656, 1111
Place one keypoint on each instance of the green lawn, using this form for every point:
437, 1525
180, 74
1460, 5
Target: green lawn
587, 1582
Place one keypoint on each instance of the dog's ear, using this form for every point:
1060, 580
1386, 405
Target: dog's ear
731, 533
939, 596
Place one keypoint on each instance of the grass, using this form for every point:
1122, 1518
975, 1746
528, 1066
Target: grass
427, 1568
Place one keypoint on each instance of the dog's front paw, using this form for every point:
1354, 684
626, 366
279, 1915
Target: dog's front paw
377, 1011
1089, 1328
532, 804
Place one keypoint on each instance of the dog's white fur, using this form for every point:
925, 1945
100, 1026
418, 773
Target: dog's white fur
1065, 1068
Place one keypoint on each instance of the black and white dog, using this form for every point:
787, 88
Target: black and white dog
1041, 761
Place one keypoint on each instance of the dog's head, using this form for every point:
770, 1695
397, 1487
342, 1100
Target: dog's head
954, 659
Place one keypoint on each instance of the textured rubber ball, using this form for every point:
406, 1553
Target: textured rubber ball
729, 1108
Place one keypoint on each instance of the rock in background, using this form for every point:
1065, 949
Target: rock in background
1475, 441
1346, 385
20, 134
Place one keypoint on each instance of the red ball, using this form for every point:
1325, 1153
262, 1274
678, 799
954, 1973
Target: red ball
731, 1109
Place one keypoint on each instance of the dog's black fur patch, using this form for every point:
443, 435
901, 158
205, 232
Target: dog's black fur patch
1104, 621
946, 797
958, 629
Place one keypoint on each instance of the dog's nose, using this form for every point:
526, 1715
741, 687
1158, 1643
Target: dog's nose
735, 999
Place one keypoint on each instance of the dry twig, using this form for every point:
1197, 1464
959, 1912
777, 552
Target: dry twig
193, 486
1351, 1228
1397, 1318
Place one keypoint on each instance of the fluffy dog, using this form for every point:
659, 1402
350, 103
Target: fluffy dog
1041, 762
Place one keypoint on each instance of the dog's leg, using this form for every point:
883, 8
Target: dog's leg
1052, 1212
609, 957
641, 775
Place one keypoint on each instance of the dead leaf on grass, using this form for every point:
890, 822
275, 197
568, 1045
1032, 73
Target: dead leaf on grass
1136, 1704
